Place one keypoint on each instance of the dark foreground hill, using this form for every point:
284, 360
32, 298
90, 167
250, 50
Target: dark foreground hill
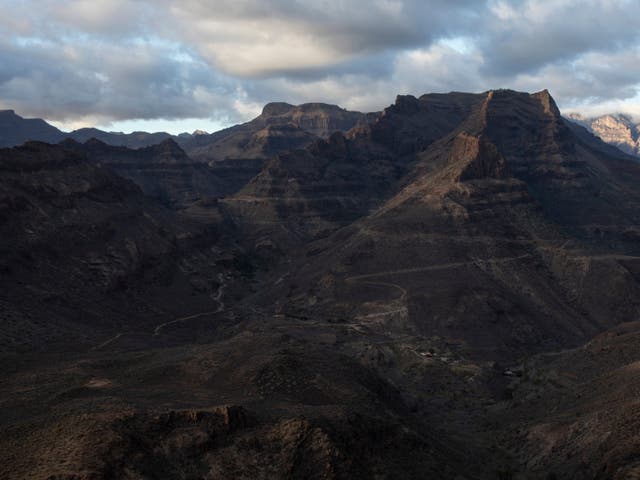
450, 289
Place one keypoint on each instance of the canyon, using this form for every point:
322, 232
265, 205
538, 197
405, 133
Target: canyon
449, 288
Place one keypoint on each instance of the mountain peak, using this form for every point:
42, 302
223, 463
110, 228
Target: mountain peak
548, 102
94, 142
406, 104
276, 108
168, 148
316, 106
15, 130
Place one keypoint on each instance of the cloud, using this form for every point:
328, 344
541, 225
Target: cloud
257, 38
101, 61
524, 36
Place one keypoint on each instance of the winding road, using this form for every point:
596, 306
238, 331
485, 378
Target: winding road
104, 344
442, 266
217, 298
364, 278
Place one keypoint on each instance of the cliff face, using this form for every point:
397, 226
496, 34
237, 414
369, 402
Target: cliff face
280, 127
319, 119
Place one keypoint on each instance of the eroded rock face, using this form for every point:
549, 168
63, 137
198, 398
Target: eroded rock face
279, 128
319, 119
479, 158
311, 192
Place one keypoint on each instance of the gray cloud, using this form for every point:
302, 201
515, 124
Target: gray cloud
252, 38
97, 61
102, 81
523, 36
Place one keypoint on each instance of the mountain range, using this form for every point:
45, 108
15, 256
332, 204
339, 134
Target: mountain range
235, 154
449, 288
280, 126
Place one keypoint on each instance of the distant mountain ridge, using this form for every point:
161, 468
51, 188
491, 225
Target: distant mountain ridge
280, 127
617, 129
16, 130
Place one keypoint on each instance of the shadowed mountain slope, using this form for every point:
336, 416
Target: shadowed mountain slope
85, 254
162, 171
238, 153
129, 140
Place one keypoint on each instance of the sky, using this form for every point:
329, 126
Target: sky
177, 66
